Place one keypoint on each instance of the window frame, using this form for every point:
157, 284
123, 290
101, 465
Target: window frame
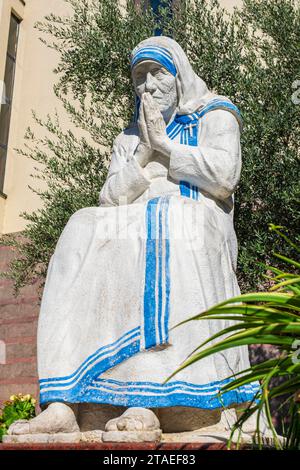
11, 60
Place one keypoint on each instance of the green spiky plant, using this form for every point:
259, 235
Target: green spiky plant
270, 318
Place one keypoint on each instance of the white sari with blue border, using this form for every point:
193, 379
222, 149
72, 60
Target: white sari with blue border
121, 277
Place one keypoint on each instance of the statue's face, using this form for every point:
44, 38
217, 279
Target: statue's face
151, 77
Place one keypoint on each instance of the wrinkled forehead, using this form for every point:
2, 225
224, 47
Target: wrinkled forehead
158, 55
145, 66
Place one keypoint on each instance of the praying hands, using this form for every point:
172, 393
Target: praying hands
152, 130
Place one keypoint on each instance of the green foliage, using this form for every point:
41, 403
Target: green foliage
17, 407
271, 317
251, 56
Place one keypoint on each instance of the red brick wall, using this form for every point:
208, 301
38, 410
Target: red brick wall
18, 324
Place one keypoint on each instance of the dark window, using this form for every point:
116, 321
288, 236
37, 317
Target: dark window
9, 76
155, 5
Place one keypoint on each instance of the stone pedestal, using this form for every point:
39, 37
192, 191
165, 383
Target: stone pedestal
154, 436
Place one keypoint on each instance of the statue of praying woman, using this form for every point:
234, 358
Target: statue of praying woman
160, 248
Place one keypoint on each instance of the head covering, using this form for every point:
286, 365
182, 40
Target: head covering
192, 90
194, 98
158, 54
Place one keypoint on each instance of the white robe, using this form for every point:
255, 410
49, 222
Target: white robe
123, 274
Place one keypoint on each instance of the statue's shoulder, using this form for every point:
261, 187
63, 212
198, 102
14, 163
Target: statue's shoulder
219, 100
220, 103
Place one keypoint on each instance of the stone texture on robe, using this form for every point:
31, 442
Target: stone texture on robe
160, 248
93, 306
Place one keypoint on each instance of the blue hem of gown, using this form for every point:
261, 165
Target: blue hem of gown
86, 385
176, 393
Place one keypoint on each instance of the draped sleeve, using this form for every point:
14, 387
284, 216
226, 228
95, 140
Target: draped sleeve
214, 165
126, 180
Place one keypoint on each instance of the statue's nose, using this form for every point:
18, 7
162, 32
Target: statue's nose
150, 85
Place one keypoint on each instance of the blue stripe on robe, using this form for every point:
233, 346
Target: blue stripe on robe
95, 361
157, 276
153, 394
150, 274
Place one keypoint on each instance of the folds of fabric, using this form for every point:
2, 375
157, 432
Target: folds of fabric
108, 340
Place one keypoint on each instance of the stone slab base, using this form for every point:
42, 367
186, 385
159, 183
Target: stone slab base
204, 437
98, 436
73, 437
127, 440
92, 436
132, 436
127, 436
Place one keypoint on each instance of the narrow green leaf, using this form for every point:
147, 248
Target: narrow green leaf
287, 260
289, 282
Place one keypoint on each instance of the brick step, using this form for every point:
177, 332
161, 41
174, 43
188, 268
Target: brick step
17, 351
21, 360
18, 311
7, 294
24, 340
18, 370
18, 330
6, 390
6, 256
17, 321
19, 381
7, 298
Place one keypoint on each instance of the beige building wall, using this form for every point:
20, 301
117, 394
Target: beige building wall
230, 4
33, 90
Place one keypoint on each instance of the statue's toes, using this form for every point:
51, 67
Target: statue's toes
21, 426
130, 423
134, 419
111, 425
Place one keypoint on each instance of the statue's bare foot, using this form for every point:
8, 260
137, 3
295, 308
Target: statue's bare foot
134, 425
57, 418
134, 419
